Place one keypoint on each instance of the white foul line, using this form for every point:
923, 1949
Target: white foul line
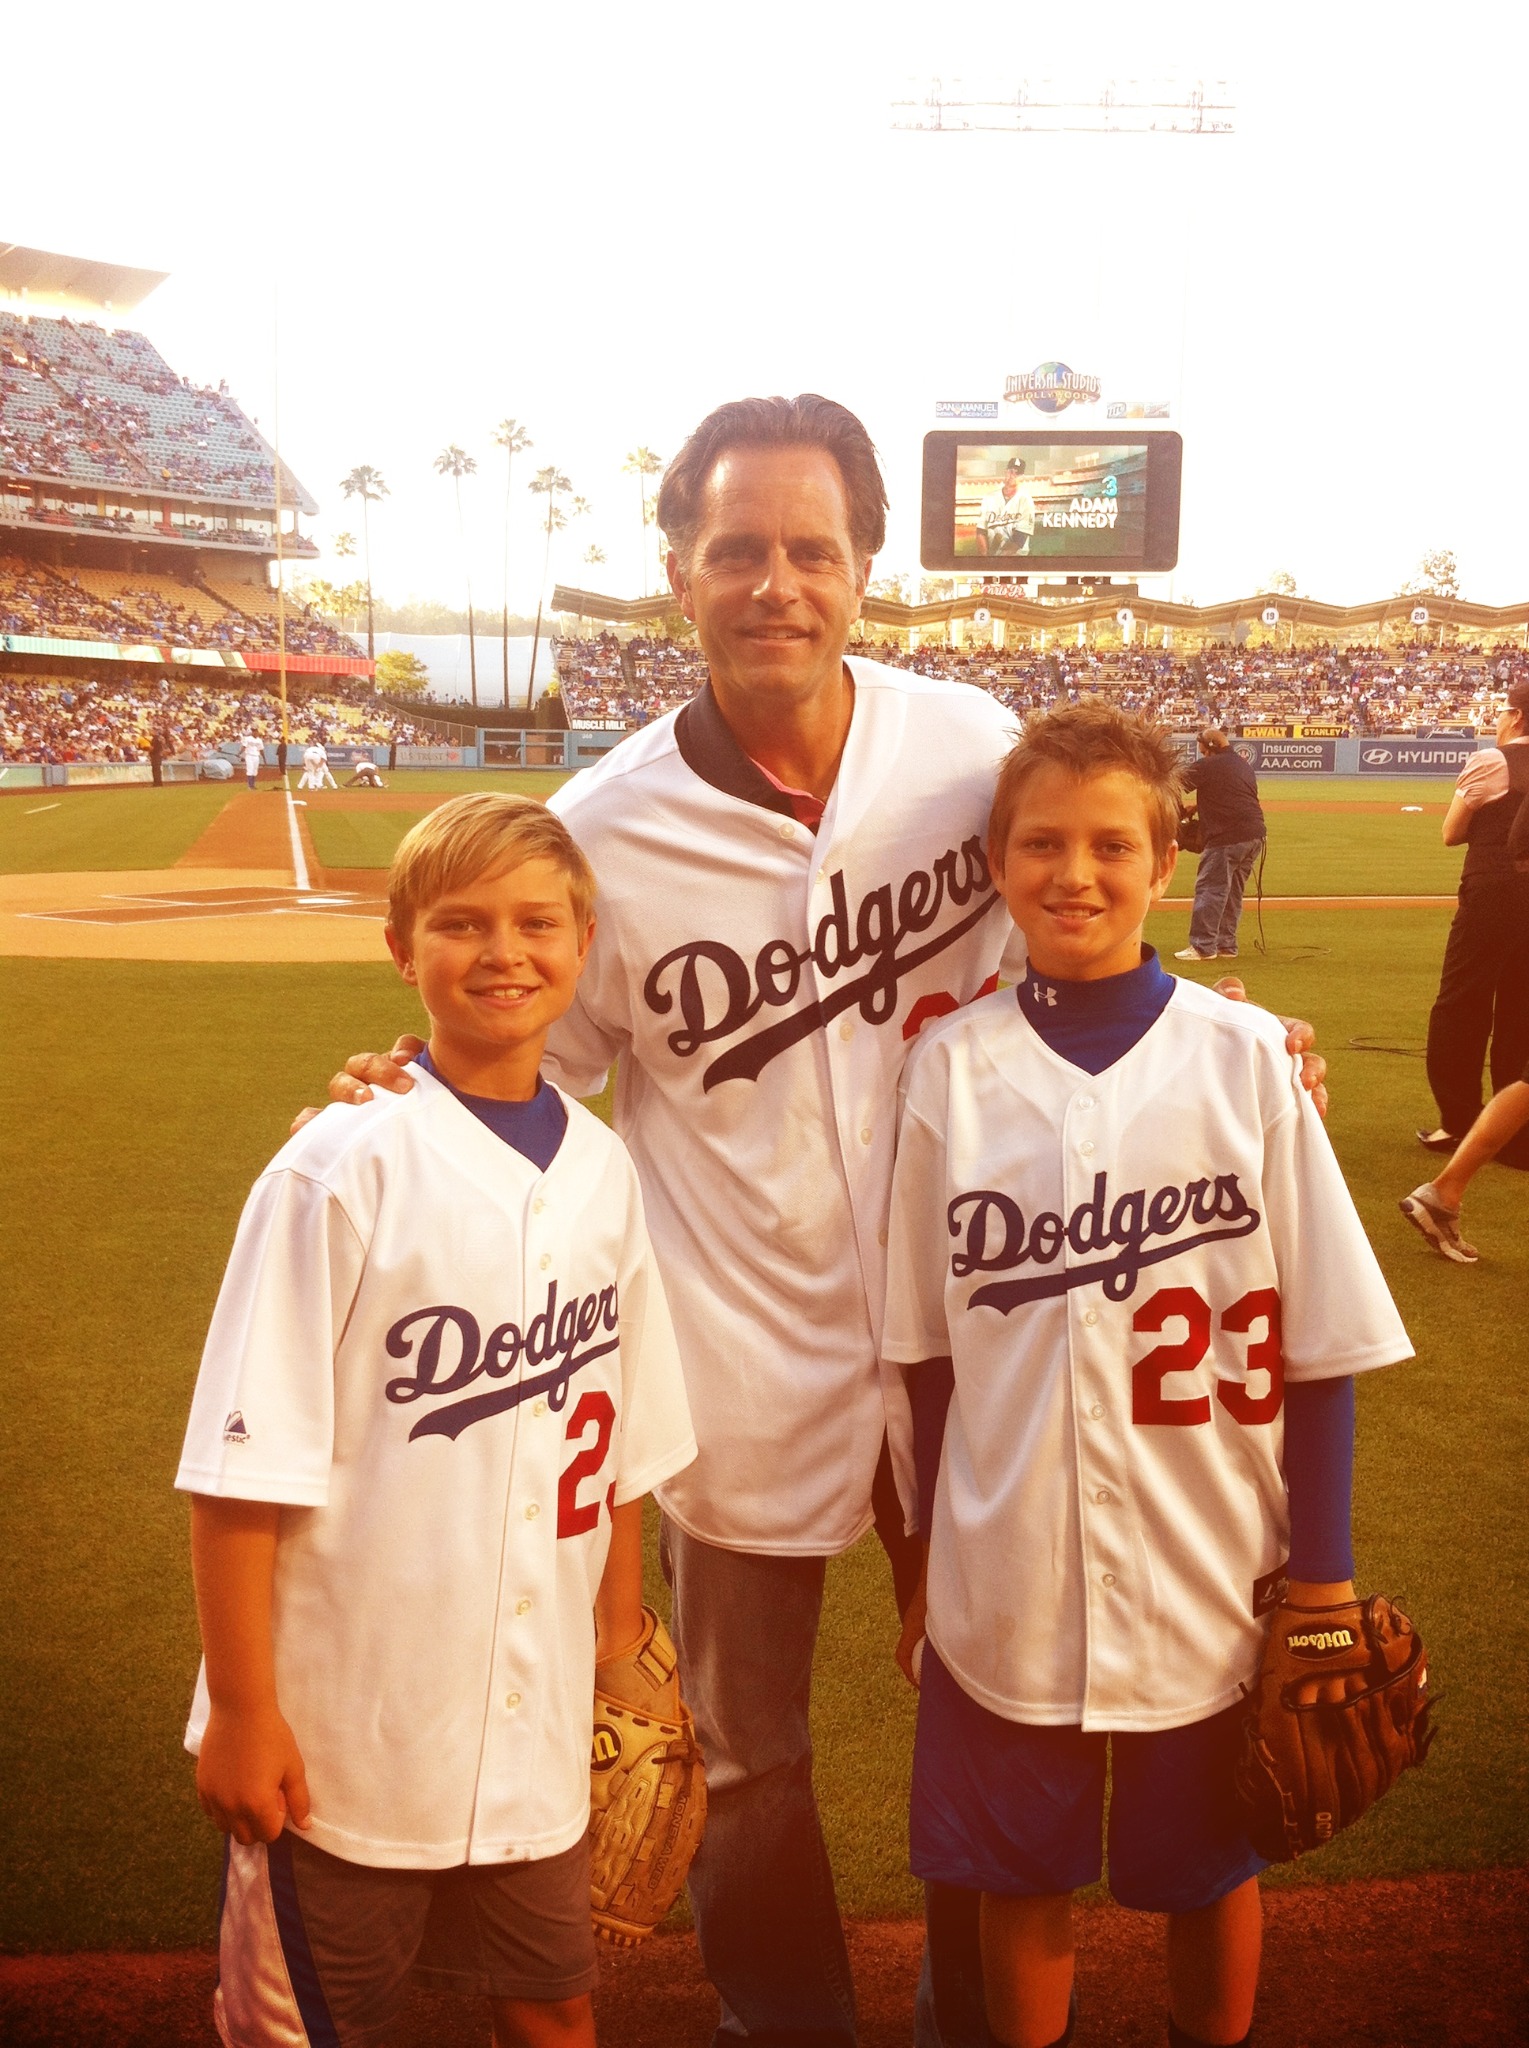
299, 858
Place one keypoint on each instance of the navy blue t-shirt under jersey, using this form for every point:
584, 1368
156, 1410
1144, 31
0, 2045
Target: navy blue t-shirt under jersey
1091, 1024
534, 1128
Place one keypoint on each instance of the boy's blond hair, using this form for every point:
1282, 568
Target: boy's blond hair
481, 837
1086, 739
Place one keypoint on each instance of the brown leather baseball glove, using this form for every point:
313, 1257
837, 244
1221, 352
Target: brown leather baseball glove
1339, 1710
647, 1789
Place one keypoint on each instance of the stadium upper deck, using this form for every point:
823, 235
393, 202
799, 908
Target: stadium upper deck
85, 404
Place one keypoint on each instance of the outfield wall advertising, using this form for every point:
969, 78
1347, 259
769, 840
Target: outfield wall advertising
1289, 757
1404, 755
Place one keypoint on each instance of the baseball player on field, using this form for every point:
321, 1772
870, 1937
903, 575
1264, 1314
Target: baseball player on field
1109, 1197
793, 884
417, 1461
254, 753
1006, 523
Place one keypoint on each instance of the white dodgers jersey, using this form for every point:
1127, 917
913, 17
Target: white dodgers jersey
762, 984
446, 1366
1125, 1268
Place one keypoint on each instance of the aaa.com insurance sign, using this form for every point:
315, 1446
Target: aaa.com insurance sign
1402, 754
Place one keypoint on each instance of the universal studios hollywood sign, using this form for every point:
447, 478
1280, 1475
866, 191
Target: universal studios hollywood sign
1051, 387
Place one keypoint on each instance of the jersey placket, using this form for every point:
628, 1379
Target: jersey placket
1113, 1591
517, 1709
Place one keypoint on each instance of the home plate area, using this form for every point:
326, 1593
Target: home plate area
184, 905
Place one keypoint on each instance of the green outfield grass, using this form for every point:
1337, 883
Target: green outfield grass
1343, 850
61, 831
457, 781
144, 1098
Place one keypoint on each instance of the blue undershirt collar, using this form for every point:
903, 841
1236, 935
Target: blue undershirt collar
534, 1129
1091, 1024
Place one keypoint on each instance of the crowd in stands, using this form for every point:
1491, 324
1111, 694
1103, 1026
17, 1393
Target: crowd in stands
1358, 689
94, 605
88, 405
46, 719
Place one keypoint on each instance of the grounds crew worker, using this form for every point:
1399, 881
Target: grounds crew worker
1484, 986
1232, 831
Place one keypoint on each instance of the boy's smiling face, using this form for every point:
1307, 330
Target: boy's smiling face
1079, 872
496, 962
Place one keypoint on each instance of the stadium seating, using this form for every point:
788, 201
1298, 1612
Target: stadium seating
92, 406
1359, 689
45, 719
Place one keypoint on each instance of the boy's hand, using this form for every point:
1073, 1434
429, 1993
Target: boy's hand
909, 1651
250, 1778
364, 1071
1299, 1039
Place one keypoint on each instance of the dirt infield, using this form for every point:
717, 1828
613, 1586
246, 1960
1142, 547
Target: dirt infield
1425, 1962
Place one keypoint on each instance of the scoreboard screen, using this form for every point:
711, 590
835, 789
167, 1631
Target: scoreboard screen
1058, 500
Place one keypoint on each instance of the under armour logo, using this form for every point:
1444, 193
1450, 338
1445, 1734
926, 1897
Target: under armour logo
1043, 995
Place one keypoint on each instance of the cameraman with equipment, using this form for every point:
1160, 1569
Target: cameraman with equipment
1231, 833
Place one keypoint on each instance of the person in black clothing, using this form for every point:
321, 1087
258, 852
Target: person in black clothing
1232, 830
1484, 987
157, 755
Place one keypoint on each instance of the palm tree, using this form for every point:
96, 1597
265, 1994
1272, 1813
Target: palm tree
549, 483
594, 557
512, 437
643, 463
365, 483
456, 463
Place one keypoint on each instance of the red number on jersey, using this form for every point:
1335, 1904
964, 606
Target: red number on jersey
1148, 1402
574, 1519
1264, 1355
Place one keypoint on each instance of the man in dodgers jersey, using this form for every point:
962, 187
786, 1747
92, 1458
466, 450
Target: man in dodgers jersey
792, 884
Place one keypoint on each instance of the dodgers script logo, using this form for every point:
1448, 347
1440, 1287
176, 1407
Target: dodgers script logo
719, 992
996, 1236
450, 1354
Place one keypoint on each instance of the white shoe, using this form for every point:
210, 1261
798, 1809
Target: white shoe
1189, 953
1441, 1226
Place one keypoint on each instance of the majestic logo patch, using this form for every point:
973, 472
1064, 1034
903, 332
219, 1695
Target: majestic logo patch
234, 1431
452, 1354
719, 992
996, 1236
1320, 1642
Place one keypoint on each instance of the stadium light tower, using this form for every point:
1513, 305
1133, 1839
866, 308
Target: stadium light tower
1041, 106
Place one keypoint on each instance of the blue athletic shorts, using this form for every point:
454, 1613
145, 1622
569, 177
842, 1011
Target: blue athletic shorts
1010, 1807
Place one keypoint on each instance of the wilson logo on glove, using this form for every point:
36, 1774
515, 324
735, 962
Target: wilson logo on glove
1320, 1642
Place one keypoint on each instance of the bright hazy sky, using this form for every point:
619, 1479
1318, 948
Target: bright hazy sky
604, 219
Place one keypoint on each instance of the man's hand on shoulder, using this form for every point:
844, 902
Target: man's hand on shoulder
1300, 1037
364, 1071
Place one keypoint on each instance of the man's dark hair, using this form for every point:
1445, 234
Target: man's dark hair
805, 422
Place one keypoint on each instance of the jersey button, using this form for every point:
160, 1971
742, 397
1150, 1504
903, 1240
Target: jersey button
846, 1031
1085, 1102
547, 1256
1097, 1410
532, 1512
538, 1407
1109, 1578
787, 830
1091, 1316
881, 1239
512, 1700
522, 1607
537, 1206
865, 1135
1104, 1496
1086, 1148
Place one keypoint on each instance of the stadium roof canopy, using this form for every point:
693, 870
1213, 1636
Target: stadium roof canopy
1102, 607
74, 281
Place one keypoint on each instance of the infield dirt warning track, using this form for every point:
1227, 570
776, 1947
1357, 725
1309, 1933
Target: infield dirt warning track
253, 889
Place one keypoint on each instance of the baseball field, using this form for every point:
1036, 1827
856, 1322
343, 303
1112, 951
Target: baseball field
170, 998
